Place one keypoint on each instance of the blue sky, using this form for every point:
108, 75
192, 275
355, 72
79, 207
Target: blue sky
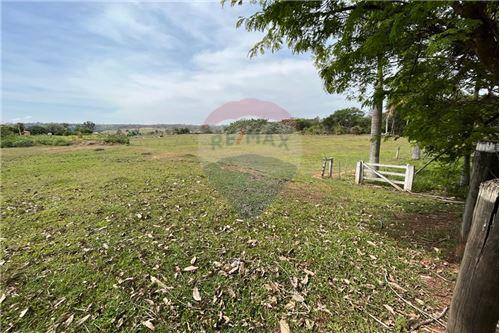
167, 62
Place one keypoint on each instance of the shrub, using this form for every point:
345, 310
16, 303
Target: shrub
356, 130
28, 141
133, 133
16, 141
316, 129
8, 130
117, 138
51, 140
183, 130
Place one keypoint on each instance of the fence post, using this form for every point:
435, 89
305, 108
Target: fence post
331, 168
485, 167
474, 307
410, 171
397, 153
358, 178
415, 154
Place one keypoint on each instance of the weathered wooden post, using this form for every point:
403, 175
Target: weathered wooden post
474, 307
331, 168
358, 177
323, 168
410, 172
485, 168
329, 161
397, 153
415, 154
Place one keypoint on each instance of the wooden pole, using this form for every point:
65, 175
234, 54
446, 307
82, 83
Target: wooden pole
474, 307
324, 167
410, 172
397, 153
358, 178
415, 154
331, 167
485, 168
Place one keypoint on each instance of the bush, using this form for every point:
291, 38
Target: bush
8, 130
16, 141
133, 133
28, 141
117, 138
48, 140
316, 129
183, 130
356, 130
38, 129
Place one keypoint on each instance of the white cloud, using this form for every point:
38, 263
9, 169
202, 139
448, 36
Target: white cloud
172, 63
122, 22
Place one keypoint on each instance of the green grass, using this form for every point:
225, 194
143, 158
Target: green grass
86, 230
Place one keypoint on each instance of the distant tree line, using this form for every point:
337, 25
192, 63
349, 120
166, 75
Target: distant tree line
87, 127
257, 126
344, 121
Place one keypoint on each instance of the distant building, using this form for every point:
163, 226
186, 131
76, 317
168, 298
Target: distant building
25, 132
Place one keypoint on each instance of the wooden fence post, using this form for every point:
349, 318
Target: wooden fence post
397, 153
410, 171
485, 168
415, 154
474, 307
358, 178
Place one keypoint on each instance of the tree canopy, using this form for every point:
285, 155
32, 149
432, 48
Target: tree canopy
349, 120
439, 59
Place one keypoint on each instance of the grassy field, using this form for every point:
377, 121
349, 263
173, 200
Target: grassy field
140, 237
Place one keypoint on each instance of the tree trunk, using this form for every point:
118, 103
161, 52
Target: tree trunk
474, 307
465, 176
378, 101
415, 154
485, 168
387, 123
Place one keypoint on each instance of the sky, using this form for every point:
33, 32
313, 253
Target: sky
164, 62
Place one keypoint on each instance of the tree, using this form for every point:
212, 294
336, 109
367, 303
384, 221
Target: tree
8, 130
20, 128
344, 120
205, 129
345, 117
88, 127
428, 56
37, 129
182, 130
55, 129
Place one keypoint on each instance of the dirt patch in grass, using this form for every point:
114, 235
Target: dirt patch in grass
302, 191
254, 173
437, 234
436, 231
162, 155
